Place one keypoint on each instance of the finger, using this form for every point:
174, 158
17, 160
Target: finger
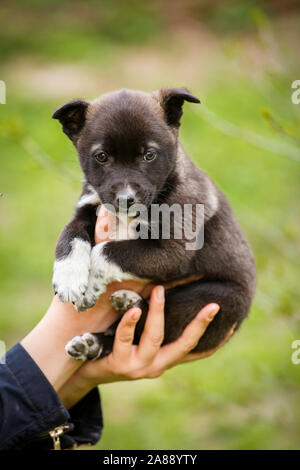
171, 284
105, 224
196, 356
182, 282
146, 292
153, 333
122, 348
177, 350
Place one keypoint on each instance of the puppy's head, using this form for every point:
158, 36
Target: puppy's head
126, 141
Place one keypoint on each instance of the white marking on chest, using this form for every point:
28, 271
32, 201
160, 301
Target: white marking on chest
106, 270
102, 272
91, 197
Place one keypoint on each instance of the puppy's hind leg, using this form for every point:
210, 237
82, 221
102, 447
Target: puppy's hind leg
184, 302
92, 346
123, 299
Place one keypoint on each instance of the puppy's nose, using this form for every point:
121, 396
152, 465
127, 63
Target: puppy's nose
125, 198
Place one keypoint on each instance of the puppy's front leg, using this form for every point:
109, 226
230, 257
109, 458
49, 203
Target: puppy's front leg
73, 256
133, 260
102, 272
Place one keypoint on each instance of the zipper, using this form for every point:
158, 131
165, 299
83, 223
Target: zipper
54, 434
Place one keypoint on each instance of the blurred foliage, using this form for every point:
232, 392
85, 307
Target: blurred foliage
230, 16
74, 30
247, 395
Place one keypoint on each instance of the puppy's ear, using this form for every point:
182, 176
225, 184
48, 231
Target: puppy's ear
72, 117
171, 100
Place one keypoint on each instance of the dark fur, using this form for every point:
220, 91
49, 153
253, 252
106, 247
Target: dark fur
122, 123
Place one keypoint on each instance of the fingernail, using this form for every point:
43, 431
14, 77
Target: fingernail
136, 314
214, 310
160, 293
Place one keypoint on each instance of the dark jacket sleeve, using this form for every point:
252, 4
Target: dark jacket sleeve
30, 408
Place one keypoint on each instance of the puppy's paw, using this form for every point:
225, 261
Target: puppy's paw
97, 281
69, 284
85, 347
77, 348
71, 274
102, 272
123, 299
89, 299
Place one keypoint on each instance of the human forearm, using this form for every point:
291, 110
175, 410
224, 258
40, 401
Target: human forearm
46, 342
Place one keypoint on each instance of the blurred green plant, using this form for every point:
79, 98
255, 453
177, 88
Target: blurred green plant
75, 30
247, 395
231, 16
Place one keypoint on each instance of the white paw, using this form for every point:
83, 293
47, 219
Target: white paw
102, 272
123, 299
96, 281
71, 274
84, 347
93, 291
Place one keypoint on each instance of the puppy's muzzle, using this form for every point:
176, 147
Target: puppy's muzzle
125, 199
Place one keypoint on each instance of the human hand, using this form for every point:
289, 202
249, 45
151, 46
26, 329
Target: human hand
148, 359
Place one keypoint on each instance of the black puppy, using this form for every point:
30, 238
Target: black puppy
128, 148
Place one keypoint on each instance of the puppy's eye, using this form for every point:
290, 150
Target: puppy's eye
101, 157
150, 155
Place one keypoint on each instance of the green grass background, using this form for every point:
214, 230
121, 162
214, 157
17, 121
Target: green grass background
247, 395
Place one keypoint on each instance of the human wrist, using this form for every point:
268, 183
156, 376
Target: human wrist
87, 376
46, 342
75, 389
